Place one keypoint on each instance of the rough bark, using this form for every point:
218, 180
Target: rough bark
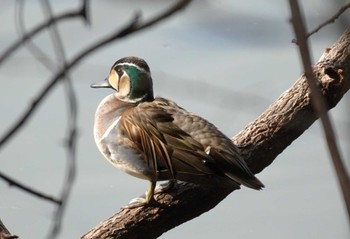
260, 143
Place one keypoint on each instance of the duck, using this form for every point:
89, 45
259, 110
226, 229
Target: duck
154, 139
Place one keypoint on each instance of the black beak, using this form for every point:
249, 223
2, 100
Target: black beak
101, 84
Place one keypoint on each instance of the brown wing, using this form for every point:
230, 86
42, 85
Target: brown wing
233, 168
164, 144
226, 161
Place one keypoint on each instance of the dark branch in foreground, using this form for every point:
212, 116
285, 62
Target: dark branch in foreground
81, 12
319, 103
260, 143
72, 124
28, 189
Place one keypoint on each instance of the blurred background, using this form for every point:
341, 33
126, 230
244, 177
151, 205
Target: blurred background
224, 60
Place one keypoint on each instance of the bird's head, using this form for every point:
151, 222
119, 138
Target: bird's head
131, 78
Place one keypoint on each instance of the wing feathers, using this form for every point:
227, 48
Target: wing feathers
164, 144
167, 147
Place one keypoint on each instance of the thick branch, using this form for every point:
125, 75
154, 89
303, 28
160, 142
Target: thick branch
260, 142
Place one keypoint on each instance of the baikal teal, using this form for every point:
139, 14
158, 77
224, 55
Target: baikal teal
155, 139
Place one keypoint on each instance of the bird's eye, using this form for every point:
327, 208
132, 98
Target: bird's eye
119, 72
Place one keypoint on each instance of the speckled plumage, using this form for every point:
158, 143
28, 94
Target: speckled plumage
155, 139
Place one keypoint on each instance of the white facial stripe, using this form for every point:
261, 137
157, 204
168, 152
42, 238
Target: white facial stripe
132, 64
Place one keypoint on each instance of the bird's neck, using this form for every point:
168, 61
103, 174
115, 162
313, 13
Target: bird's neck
107, 112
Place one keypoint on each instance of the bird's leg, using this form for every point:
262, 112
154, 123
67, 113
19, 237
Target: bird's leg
161, 188
143, 200
150, 192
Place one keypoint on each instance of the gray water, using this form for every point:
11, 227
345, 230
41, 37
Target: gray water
224, 60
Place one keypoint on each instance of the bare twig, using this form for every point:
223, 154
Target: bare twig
329, 21
72, 124
81, 12
319, 102
28, 189
39, 55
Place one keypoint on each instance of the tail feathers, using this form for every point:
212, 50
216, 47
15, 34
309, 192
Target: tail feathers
234, 168
249, 181
253, 183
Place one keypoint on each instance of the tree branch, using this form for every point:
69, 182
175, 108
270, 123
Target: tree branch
330, 20
319, 103
260, 143
28, 189
327, 22
81, 12
72, 124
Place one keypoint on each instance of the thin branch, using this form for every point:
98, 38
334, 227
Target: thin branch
39, 55
8, 179
29, 190
329, 21
72, 124
81, 12
51, 66
319, 102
